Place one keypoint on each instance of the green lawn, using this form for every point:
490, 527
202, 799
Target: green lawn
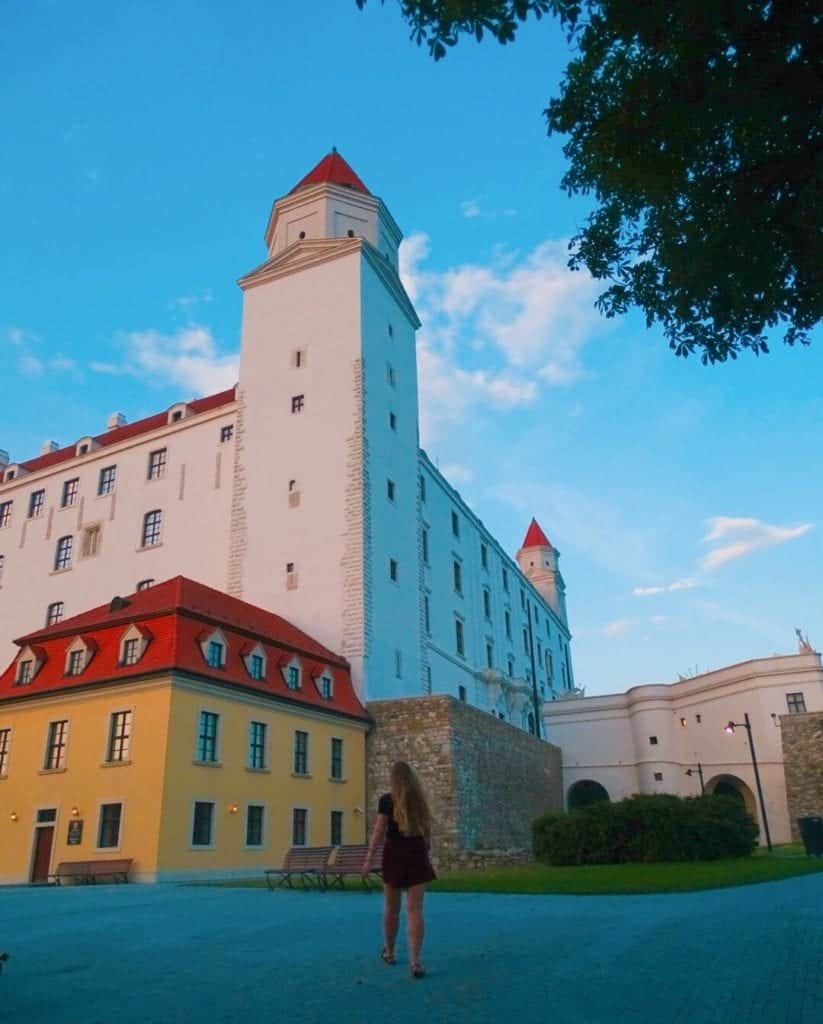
603, 879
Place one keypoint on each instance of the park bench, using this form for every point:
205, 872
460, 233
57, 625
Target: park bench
348, 860
89, 871
308, 863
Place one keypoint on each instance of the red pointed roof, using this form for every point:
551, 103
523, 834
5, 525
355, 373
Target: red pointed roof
535, 538
332, 170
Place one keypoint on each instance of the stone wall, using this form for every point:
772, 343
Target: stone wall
802, 736
485, 779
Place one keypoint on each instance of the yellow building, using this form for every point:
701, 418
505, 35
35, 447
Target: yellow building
190, 732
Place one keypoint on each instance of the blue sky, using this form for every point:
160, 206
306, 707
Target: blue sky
143, 146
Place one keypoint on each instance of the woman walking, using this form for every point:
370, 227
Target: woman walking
403, 825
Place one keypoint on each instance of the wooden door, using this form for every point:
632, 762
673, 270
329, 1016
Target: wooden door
43, 839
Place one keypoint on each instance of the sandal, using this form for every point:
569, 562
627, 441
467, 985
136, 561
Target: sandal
417, 971
387, 957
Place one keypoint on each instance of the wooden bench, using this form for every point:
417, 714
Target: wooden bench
308, 863
88, 871
348, 861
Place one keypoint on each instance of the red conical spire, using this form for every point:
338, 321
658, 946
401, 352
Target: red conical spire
332, 170
535, 538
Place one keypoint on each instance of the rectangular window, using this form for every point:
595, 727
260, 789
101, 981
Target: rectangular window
108, 833
796, 703
390, 490
201, 825
326, 687
254, 825
487, 604
37, 499
152, 522
5, 513
422, 488
131, 651
226, 433
506, 580
393, 570
25, 672
157, 464
256, 666
297, 403
523, 600
484, 557
70, 488
550, 666
145, 584
391, 377
336, 831
301, 752
298, 358
398, 664
510, 667
62, 555
461, 693
425, 543
455, 524
426, 615
653, 741
298, 826
458, 577
507, 623
4, 751
76, 663
489, 656
293, 677
291, 576
257, 744
548, 630
392, 421
56, 745
458, 637
216, 654
207, 737
119, 736
107, 480
90, 541
525, 641
336, 758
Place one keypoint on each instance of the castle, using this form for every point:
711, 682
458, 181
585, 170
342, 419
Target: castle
302, 490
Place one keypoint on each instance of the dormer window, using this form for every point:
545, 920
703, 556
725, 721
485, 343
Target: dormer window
255, 662
29, 662
13, 472
291, 673
76, 663
133, 644
85, 445
178, 412
25, 672
325, 685
214, 647
79, 654
131, 651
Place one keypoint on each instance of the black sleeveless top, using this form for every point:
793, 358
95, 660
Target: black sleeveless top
386, 806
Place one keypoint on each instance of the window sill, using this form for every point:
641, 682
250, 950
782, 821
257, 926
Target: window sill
338, 782
202, 849
154, 480
301, 775
259, 771
63, 508
115, 764
207, 764
149, 547
58, 572
107, 494
51, 771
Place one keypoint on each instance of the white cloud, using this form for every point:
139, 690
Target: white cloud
619, 627
470, 208
186, 302
16, 335
188, 358
496, 334
457, 474
744, 535
30, 366
667, 588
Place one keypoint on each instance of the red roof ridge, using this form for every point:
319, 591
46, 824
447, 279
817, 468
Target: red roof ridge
332, 170
535, 538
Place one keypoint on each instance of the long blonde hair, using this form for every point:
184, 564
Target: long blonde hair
411, 809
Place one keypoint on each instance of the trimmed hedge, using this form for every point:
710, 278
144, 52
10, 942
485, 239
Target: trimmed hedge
646, 829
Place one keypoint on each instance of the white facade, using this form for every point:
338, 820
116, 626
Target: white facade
645, 740
301, 492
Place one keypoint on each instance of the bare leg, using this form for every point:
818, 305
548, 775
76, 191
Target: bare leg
414, 913
391, 917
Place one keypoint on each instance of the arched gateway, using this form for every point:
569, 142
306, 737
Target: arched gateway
585, 792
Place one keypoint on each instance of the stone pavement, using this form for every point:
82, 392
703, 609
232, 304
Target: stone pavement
169, 954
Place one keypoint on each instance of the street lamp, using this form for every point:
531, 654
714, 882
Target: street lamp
747, 725
699, 769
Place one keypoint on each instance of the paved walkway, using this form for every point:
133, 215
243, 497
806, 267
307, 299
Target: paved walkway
166, 954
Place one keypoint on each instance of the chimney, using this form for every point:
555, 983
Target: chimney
48, 447
4, 457
117, 419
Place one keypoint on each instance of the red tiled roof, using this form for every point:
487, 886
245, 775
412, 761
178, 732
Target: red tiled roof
177, 614
333, 170
144, 426
535, 538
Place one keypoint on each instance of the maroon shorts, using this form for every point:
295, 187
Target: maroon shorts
406, 862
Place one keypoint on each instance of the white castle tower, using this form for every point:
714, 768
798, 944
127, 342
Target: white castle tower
325, 518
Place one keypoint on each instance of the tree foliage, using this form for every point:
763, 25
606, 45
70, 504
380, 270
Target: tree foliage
697, 129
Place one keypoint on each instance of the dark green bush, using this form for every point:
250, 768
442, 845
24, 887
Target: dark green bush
646, 828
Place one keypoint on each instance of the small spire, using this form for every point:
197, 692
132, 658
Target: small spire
535, 538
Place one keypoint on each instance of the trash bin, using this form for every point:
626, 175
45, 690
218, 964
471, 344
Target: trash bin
811, 832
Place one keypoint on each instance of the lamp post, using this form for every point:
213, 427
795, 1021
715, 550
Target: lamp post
747, 725
699, 769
